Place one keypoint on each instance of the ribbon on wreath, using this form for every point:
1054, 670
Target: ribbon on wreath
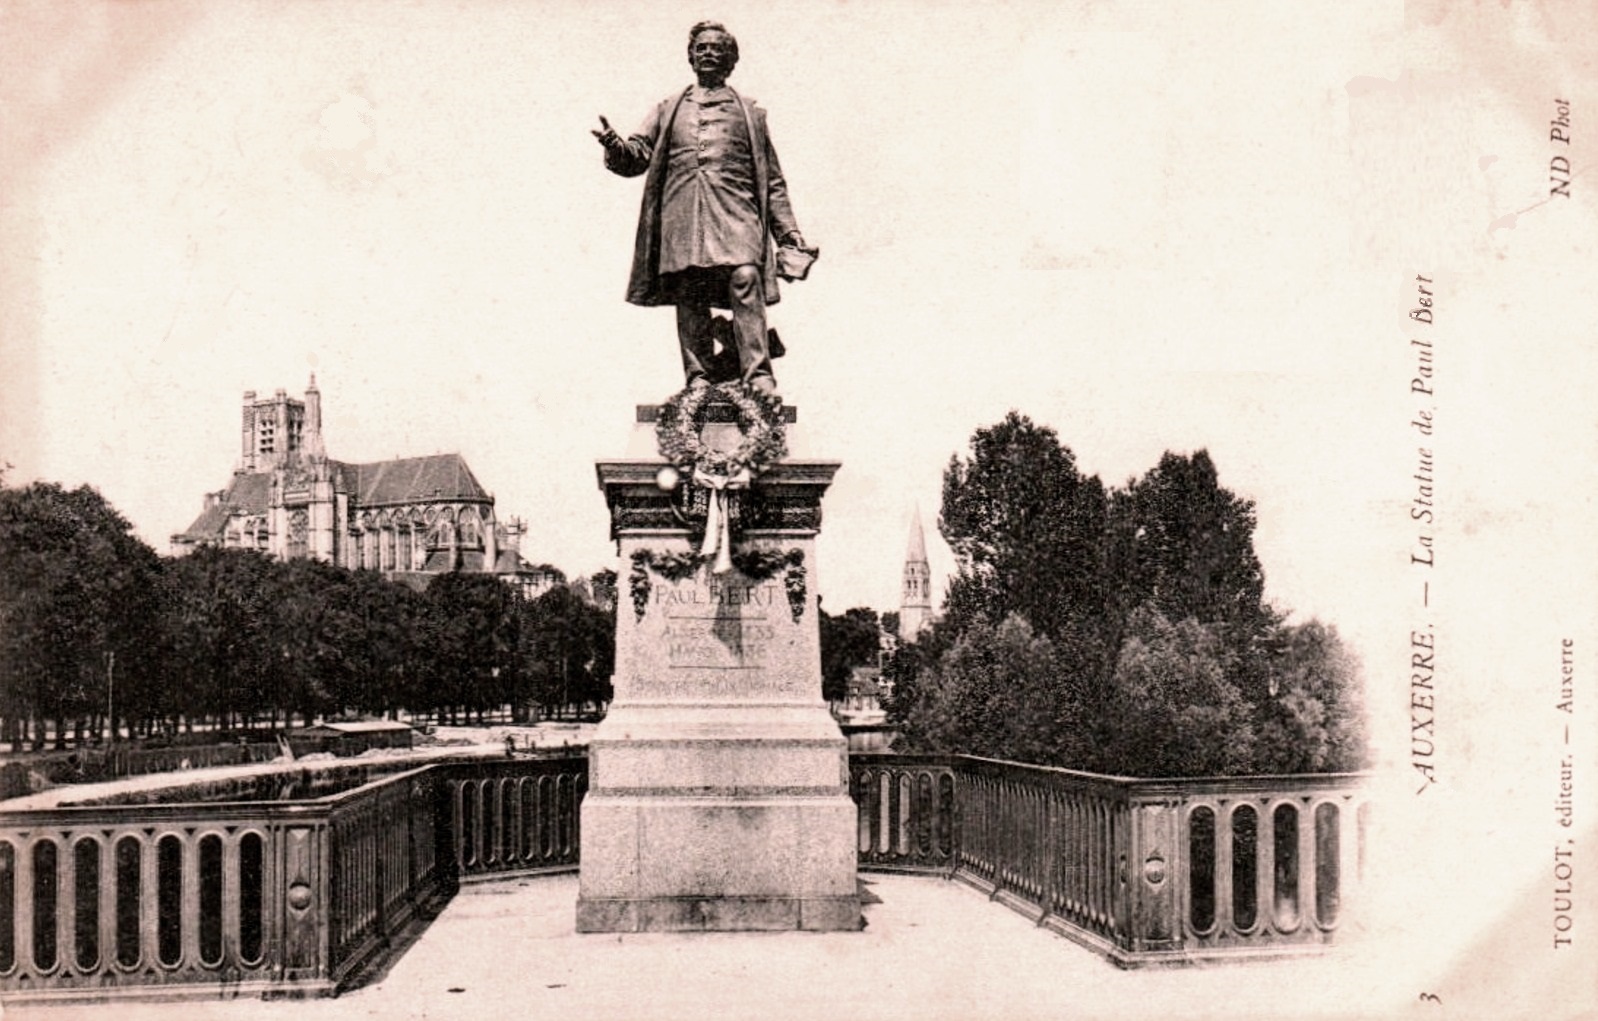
718, 522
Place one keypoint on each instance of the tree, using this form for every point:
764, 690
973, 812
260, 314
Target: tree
1192, 546
848, 641
1172, 708
1003, 692
476, 631
217, 621
1313, 720
1027, 530
1166, 659
568, 647
76, 597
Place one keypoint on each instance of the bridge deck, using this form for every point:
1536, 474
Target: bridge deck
932, 949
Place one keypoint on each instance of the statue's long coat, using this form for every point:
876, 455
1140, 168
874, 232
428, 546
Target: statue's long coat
644, 154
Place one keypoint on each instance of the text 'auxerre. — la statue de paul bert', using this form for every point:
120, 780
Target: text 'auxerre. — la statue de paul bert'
715, 229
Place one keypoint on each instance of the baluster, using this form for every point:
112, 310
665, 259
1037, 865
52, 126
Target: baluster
108, 903
1225, 923
1265, 868
1305, 866
230, 900
66, 905
22, 892
149, 903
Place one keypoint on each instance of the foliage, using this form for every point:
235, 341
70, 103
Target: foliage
1149, 648
477, 636
1313, 719
848, 641
233, 635
76, 597
1026, 529
1001, 691
1172, 708
760, 421
569, 649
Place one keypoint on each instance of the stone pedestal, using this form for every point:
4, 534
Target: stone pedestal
718, 792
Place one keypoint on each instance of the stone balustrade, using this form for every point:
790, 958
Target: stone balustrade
515, 816
275, 897
223, 898
1141, 871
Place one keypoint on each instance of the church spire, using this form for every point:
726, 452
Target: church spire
915, 601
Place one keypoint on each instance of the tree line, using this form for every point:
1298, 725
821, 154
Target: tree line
1120, 630
95, 627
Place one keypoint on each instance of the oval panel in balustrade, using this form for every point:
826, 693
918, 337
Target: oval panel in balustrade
921, 821
86, 907
527, 817
169, 900
511, 829
491, 822
1328, 840
860, 785
210, 900
46, 865
252, 881
566, 792
466, 840
884, 833
944, 833
903, 796
1284, 826
8, 906
548, 810
1245, 867
1201, 869
128, 860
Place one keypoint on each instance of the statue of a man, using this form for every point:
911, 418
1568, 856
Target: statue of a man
714, 203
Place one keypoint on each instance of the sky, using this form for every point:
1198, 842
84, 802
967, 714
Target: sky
1018, 206
1147, 226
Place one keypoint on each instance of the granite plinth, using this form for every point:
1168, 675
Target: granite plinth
718, 794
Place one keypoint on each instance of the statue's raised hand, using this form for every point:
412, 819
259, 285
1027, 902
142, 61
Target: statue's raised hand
607, 137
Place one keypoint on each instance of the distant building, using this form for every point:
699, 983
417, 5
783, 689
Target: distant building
411, 518
915, 600
860, 712
353, 737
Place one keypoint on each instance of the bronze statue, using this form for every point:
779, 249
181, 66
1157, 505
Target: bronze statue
714, 203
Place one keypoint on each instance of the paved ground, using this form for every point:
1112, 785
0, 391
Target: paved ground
932, 950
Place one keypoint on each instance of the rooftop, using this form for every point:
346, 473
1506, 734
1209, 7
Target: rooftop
932, 949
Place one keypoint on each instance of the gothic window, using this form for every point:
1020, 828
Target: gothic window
266, 436
471, 536
299, 532
405, 549
442, 533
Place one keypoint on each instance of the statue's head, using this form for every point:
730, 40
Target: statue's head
712, 49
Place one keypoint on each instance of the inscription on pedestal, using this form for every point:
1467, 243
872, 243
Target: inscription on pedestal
723, 636
727, 625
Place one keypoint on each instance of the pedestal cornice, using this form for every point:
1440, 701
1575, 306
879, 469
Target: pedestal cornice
785, 498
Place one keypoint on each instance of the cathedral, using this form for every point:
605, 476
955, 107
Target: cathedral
410, 518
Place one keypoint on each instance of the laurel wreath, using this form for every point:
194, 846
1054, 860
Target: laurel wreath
682, 418
755, 564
